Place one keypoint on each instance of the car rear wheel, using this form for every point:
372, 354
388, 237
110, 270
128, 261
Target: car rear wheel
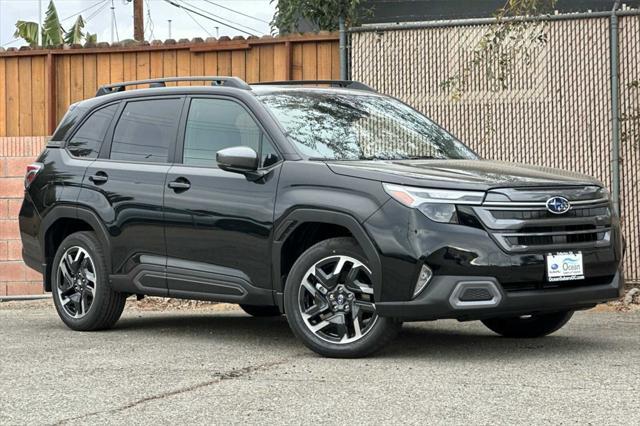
330, 301
80, 286
261, 311
529, 325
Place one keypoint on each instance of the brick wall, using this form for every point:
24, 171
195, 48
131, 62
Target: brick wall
15, 154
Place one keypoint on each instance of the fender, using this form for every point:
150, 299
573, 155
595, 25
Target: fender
300, 216
84, 214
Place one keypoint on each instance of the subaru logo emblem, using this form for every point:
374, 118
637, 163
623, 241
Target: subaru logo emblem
558, 205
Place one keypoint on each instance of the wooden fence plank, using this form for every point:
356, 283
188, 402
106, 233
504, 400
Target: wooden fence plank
76, 77
309, 61
224, 63
183, 66
169, 67
103, 71
38, 96
24, 91
211, 63
90, 76
324, 61
335, 61
117, 67
266, 62
156, 64
63, 93
13, 98
3, 97
296, 61
281, 62
197, 66
239, 64
252, 69
142, 66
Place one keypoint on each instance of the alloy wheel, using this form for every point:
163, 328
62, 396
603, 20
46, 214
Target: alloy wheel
76, 282
336, 299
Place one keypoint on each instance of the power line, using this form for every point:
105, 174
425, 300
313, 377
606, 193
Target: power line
238, 12
84, 10
151, 25
197, 23
96, 12
220, 17
207, 17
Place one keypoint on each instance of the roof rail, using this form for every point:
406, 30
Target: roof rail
347, 84
161, 82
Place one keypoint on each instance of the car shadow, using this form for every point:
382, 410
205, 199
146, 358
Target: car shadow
446, 341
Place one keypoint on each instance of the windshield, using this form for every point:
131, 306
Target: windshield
342, 126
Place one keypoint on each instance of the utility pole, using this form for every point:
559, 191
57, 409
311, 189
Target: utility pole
113, 20
39, 23
138, 21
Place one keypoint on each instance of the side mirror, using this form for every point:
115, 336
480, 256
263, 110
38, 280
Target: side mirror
238, 159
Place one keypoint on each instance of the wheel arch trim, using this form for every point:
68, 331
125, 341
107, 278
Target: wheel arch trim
77, 213
291, 222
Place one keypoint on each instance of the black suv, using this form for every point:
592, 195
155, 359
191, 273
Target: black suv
345, 209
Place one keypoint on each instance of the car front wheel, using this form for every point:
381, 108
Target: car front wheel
330, 301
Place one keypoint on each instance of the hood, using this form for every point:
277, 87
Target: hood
460, 174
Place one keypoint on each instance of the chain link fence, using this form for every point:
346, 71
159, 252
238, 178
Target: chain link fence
547, 104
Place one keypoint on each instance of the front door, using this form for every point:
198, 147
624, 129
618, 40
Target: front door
125, 187
219, 223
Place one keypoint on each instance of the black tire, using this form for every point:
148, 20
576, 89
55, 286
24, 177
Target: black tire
379, 332
529, 326
261, 311
106, 305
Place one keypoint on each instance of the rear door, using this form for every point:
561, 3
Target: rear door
125, 185
219, 223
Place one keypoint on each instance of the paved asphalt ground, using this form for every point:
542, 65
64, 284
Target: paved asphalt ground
207, 366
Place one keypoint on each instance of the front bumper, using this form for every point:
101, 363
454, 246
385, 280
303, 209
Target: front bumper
437, 301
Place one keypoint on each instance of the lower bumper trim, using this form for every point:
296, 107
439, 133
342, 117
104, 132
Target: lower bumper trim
435, 302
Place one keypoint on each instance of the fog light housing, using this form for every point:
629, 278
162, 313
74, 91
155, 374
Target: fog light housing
423, 280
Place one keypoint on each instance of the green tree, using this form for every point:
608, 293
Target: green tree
503, 45
52, 33
323, 13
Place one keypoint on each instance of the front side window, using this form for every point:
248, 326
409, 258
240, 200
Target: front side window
146, 131
86, 142
346, 126
215, 124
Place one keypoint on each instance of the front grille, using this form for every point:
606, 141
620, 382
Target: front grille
527, 225
545, 214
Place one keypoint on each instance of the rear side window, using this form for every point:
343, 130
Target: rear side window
146, 131
215, 124
86, 142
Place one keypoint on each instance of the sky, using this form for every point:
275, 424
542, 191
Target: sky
184, 24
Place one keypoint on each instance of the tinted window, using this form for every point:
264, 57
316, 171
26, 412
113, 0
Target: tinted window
215, 124
146, 131
86, 142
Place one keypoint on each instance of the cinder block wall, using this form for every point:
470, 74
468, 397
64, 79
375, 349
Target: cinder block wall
15, 154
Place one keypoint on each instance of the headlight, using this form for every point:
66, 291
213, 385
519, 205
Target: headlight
438, 205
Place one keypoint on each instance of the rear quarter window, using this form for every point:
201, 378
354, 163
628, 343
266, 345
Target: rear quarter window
87, 140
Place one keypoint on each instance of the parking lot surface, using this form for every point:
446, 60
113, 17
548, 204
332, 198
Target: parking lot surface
221, 366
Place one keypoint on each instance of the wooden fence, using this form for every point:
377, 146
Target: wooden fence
37, 86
